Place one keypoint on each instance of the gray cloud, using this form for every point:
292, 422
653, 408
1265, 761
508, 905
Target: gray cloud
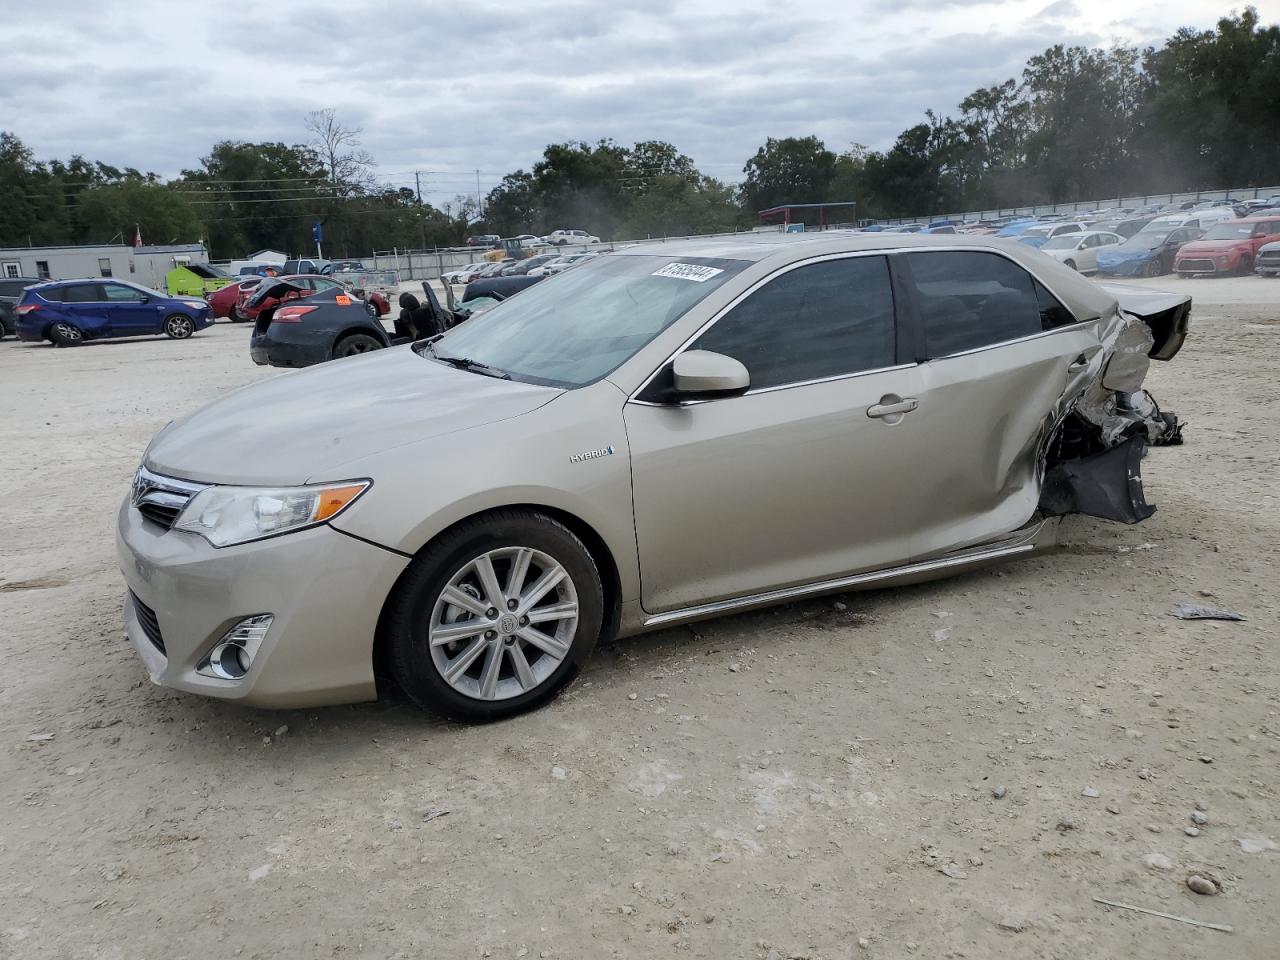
449, 88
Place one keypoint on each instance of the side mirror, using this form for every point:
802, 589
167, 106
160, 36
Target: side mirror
703, 374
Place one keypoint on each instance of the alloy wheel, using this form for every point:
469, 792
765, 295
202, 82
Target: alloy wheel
179, 327
68, 332
504, 623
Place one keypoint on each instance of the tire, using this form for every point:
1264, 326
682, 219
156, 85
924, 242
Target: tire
178, 326
372, 308
1072, 265
354, 344
524, 674
234, 316
65, 334
1245, 267
1152, 269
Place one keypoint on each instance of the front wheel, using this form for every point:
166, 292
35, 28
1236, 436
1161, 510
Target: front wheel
1245, 267
355, 344
495, 617
178, 326
1072, 265
372, 308
1152, 269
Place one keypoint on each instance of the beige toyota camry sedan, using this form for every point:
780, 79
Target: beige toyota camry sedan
667, 433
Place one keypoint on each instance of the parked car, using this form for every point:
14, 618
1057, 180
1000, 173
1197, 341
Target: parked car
1037, 236
305, 327
374, 287
520, 267
223, 301
10, 293
484, 240
500, 287
1079, 251
317, 267
1126, 227
606, 454
347, 266
493, 268
463, 274
561, 264
256, 299
1148, 253
1267, 263
1017, 228
562, 237
69, 312
1230, 246
529, 240
260, 270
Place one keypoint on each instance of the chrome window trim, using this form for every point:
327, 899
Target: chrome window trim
848, 255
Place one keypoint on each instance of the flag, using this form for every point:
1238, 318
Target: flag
137, 235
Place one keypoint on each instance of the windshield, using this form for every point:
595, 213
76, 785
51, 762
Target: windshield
1230, 231
1064, 241
579, 326
1147, 239
1037, 232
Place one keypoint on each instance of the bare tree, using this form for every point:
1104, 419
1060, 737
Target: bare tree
350, 168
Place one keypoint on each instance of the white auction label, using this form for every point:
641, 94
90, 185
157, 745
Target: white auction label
688, 271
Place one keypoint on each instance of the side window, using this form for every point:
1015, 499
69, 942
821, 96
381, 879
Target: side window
42, 269
969, 300
104, 266
12, 269
117, 293
822, 320
82, 293
1052, 313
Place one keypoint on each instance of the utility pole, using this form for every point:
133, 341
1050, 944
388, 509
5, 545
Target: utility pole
479, 202
417, 182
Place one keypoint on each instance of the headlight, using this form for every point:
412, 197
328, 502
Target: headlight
229, 515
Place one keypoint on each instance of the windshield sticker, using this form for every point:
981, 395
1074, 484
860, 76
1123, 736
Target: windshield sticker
688, 271
343, 300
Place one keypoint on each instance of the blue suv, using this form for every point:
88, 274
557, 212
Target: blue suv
68, 312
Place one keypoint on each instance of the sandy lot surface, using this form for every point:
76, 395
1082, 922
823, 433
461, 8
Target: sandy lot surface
785, 784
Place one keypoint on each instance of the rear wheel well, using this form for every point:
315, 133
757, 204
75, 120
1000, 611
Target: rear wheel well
361, 328
600, 553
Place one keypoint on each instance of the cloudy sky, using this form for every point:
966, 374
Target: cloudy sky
451, 88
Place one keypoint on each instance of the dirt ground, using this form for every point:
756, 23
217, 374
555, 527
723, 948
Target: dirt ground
790, 783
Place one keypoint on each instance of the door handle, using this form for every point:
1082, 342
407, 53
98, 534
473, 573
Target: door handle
1079, 363
891, 406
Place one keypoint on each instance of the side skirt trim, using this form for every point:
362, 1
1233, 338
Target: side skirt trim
952, 561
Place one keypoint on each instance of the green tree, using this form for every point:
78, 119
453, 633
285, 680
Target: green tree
789, 170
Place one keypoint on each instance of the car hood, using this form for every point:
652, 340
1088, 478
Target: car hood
1122, 251
1210, 246
304, 426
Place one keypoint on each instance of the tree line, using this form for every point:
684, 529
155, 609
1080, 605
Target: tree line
1198, 111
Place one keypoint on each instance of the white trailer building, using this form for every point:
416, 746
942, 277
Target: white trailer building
146, 265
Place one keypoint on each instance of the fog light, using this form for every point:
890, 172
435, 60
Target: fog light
232, 656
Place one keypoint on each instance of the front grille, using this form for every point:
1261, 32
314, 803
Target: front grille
1269, 259
1203, 266
160, 499
149, 622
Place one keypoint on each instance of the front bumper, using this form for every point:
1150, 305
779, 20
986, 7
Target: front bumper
1201, 267
324, 588
1122, 268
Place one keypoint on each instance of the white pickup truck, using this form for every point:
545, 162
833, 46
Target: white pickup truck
561, 238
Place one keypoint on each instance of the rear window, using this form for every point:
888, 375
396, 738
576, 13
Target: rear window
970, 300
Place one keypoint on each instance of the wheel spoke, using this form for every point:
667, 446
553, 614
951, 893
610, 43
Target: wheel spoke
557, 611
466, 658
489, 582
540, 589
521, 663
544, 642
492, 666
519, 570
457, 631
460, 598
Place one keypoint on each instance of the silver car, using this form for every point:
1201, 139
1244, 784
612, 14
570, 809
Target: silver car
669, 433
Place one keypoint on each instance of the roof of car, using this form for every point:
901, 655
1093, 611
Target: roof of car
1080, 294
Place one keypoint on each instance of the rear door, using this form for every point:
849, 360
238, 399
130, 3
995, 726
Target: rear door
1001, 351
85, 305
805, 477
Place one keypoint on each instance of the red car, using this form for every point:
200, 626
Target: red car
224, 301
1227, 247
248, 306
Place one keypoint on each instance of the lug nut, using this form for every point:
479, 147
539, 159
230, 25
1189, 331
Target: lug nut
512, 604
491, 613
489, 634
524, 621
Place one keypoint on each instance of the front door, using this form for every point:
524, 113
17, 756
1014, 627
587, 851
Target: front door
132, 311
805, 477
1002, 352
